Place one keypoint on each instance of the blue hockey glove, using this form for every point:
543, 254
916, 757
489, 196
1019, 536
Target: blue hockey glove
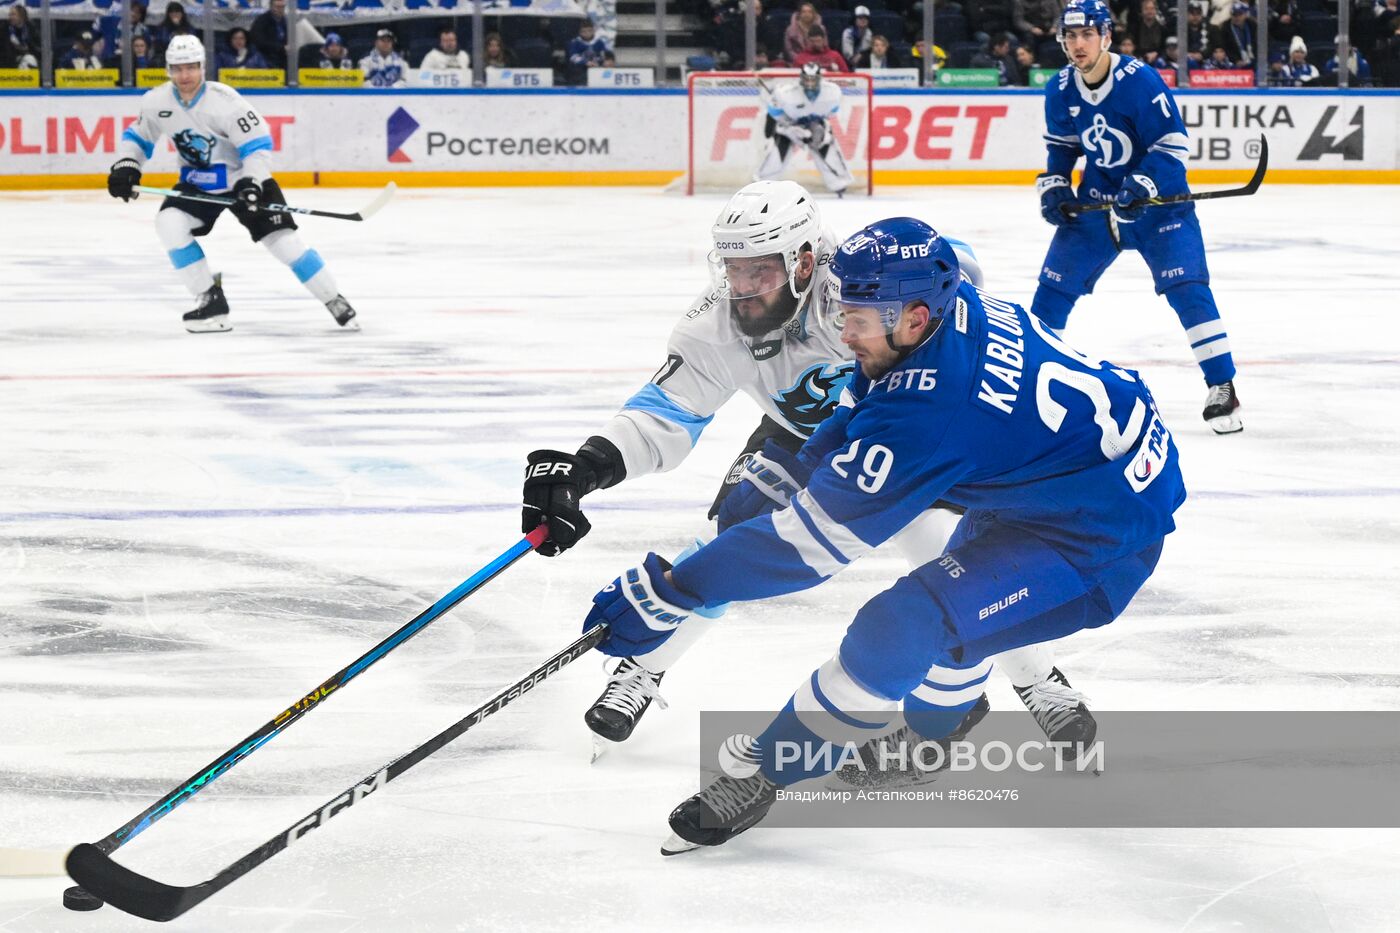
640, 608
247, 194
771, 478
1135, 188
1055, 192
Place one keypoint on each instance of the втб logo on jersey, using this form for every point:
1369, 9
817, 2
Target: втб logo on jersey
814, 396
1114, 146
401, 125
195, 149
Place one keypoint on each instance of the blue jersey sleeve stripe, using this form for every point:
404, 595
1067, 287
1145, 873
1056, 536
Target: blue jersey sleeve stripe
145, 145
653, 400
255, 145
818, 536
842, 541
790, 528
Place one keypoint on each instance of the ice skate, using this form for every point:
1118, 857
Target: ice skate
1222, 411
342, 312
1061, 712
612, 717
724, 809
211, 314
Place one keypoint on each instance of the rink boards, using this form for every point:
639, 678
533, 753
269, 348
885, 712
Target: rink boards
639, 137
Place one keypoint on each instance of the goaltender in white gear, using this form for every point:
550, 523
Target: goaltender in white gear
224, 148
754, 331
798, 119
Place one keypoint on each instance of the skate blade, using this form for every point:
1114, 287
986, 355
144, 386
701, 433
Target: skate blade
213, 325
1226, 424
675, 845
600, 748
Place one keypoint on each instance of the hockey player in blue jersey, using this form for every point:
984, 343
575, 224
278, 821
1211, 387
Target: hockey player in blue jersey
1068, 475
1116, 112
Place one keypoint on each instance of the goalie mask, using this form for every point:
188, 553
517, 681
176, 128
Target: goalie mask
811, 80
759, 261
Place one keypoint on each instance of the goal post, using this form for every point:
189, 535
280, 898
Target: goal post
727, 112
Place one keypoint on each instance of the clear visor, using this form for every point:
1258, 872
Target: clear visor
749, 276
858, 320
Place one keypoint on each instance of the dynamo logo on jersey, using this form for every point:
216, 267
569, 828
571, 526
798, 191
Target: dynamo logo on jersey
400, 127
814, 396
1114, 146
195, 149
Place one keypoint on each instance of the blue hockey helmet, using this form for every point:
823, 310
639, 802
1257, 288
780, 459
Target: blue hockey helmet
1085, 13
889, 265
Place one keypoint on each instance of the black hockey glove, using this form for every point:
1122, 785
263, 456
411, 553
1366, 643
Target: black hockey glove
125, 175
554, 484
247, 195
1055, 193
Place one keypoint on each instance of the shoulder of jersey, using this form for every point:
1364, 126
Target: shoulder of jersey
1061, 82
707, 319
158, 96
222, 90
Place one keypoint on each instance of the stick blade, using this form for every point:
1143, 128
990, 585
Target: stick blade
127, 890
381, 199
1258, 178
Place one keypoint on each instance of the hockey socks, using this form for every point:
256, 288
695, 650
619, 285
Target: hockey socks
307, 264
1205, 332
175, 228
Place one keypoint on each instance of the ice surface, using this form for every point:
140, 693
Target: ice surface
193, 529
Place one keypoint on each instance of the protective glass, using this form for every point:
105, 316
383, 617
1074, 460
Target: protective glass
857, 320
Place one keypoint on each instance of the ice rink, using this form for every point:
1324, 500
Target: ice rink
194, 529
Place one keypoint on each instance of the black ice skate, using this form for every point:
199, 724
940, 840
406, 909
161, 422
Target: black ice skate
1061, 712
1222, 409
889, 761
721, 811
211, 314
342, 312
615, 713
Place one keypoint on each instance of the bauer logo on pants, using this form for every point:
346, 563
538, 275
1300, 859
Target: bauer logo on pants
400, 127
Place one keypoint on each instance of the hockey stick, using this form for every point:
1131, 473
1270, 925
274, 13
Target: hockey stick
1251, 186
154, 900
364, 213
210, 772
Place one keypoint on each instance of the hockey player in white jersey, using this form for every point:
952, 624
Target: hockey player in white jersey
798, 114
754, 332
224, 147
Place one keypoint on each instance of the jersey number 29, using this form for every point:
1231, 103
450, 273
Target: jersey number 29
874, 469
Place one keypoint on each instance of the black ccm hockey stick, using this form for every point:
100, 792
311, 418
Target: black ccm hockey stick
285, 719
364, 213
154, 900
1251, 186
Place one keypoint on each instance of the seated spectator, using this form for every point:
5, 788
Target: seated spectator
110, 24
81, 56
857, 40
1237, 36
1357, 68
446, 56
998, 56
882, 56
585, 51
237, 53
1149, 30
1197, 34
797, 38
269, 34
828, 59
940, 58
1025, 62
1126, 46
1171, 55
175, 23
1218, 60
384, 67
1299, 70
495, 54
141, 56
1277, 76
20, 48
332, 55
1037, 19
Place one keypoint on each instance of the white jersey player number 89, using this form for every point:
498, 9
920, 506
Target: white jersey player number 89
875, 468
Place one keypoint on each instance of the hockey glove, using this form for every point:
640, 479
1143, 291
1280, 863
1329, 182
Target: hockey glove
1135, 188
818, 130
247, 195
640, 608
1055, 192
771, 478
125, 175
554, 484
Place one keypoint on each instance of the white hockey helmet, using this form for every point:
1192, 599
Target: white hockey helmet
184, 50
768, 218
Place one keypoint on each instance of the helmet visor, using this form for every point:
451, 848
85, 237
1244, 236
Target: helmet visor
750, 276
858, 320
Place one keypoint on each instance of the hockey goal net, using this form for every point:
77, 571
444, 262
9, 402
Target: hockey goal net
727, 116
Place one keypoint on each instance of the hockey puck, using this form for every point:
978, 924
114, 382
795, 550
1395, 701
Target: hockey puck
75, 898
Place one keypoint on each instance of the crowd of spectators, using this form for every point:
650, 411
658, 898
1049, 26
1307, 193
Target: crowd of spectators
1016, 36
1012, 37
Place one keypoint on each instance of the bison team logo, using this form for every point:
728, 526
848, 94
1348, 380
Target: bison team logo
814, 395
194, 148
